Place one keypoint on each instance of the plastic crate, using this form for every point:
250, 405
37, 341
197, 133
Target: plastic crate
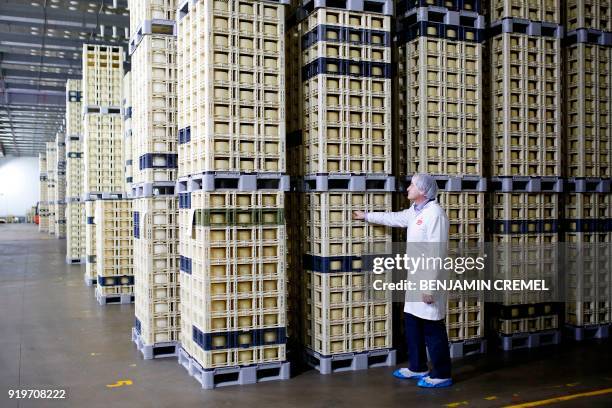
114, 238
589, 110
587, 212
127, 131
43, 224
90, 241
339, 319
74, 120
346, 125
588, 284
527, 325
526, 105
595, 14
532, 257
102, 75
75, 232
60, 220
404, 7
358, 143
244, 131
141, 11
525, 206
235, 357
329, 229
128, 160
466, 215
254, 304
60, 167
465, 316
375, 7
103, 153
548, 10
440, 118
155, 103
156, 271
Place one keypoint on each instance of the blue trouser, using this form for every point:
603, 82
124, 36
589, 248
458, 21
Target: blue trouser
421, 332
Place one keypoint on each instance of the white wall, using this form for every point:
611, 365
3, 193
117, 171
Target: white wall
19, 185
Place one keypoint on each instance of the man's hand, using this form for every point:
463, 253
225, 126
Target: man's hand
358, 215
428, 298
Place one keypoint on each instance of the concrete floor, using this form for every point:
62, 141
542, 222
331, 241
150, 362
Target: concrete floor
54, 335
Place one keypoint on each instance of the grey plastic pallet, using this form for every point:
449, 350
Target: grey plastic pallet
451, 17
581, 333
155, 26
452, 183
74, 261
350, 361
347, 182
352, 5
225, 181
102, 110
143, 190
526, 184
533, 28
118, 299
151, 351
241, 375
589, 36
530, 340
465, 348
89, 281
104, 196
589, 185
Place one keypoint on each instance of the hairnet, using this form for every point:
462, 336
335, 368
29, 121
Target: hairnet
426, 184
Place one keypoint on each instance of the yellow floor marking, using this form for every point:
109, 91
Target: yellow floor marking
491, 398
561, 399
120, 383
456, 404
572, 384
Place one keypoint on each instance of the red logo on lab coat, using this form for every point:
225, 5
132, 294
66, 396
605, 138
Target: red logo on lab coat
419, 221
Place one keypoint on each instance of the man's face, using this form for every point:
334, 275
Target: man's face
413, 192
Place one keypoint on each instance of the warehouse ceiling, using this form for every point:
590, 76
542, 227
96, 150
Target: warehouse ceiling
40, 48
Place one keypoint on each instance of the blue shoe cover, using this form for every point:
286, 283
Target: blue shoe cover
427, 382
406, 374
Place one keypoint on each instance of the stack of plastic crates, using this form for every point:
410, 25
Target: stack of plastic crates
104, 171
43, 203
440, 48
231, 164
525, 122
339, 124
60, 186
51, 183
588, 206
525, 235
114, 250
153, 161
127, 130
75, 208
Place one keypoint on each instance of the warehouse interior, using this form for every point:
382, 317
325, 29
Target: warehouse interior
191, 192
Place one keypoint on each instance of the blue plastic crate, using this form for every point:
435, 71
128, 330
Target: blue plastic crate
136, 224
185, 264
170, 161
184, 135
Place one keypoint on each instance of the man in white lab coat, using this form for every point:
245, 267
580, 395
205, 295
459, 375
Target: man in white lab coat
424, 325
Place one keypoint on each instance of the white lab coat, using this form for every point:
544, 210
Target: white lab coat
430, 225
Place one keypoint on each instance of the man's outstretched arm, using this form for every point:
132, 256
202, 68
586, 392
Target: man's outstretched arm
390, 219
